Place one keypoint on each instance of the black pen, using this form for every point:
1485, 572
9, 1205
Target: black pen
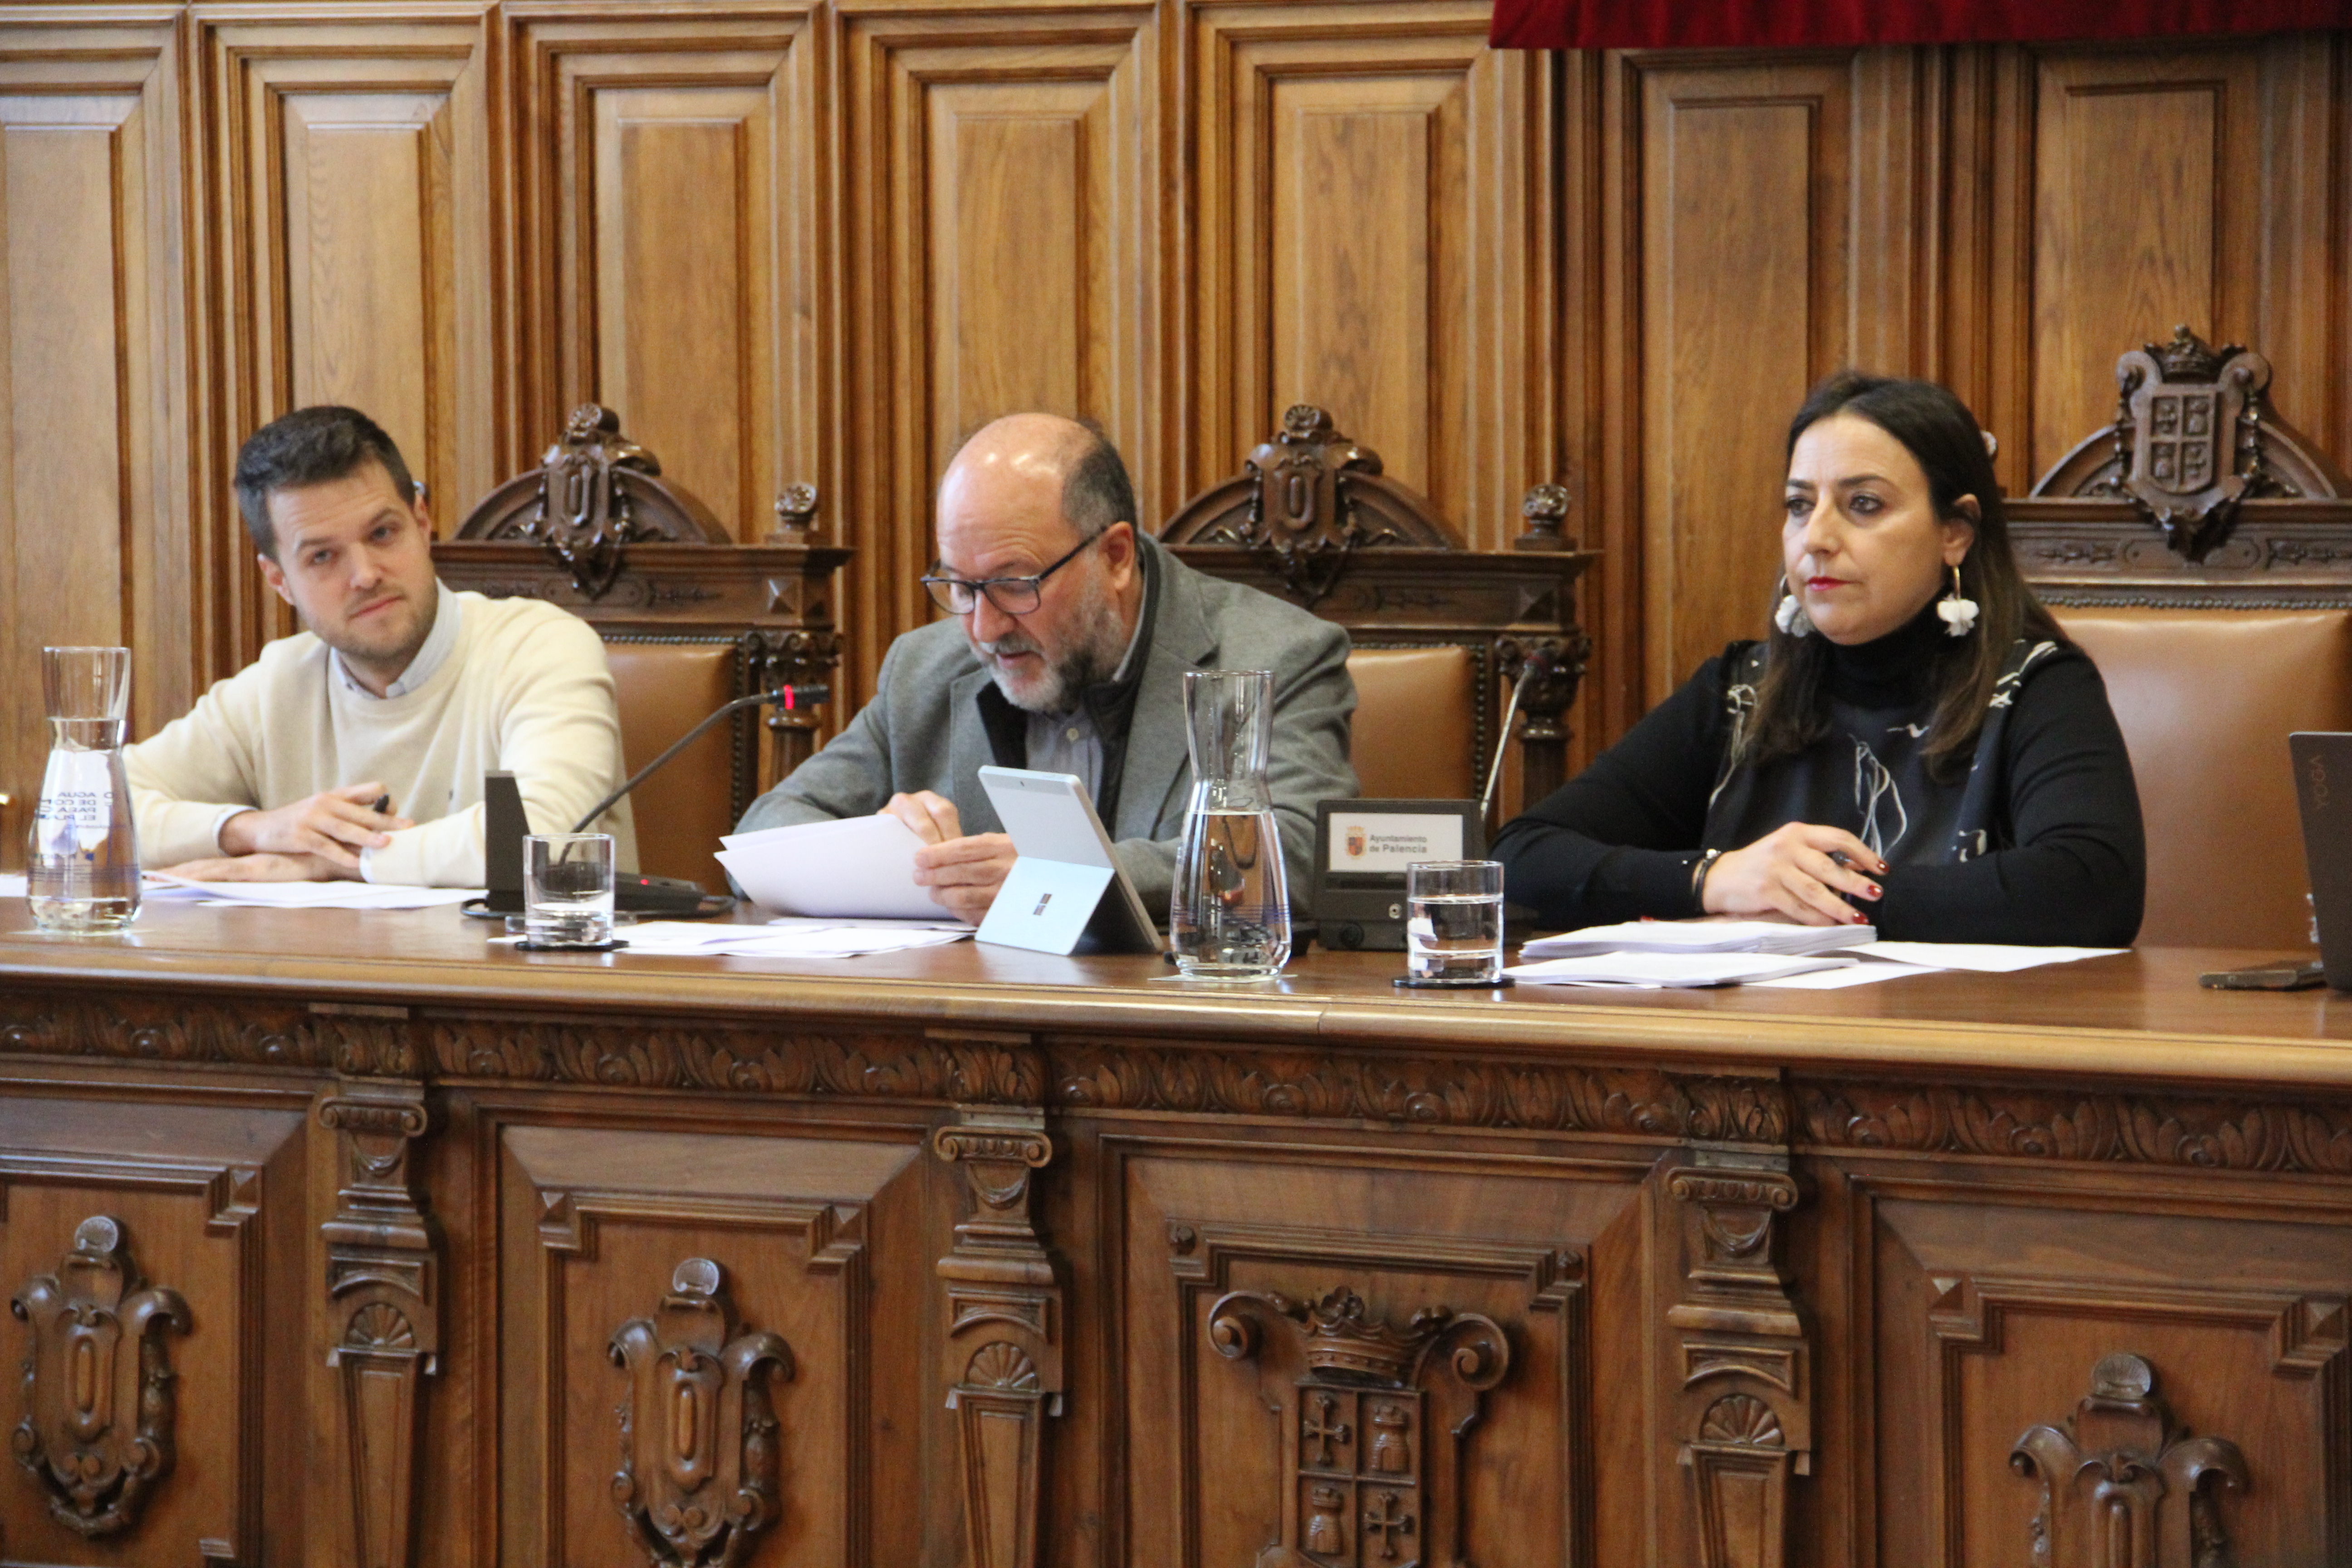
382, 804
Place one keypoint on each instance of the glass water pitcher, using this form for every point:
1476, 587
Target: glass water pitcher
83, 870
1228, 915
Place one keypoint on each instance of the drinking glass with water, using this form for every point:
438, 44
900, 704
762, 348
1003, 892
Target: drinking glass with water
82, 871
1453, 922
567, 890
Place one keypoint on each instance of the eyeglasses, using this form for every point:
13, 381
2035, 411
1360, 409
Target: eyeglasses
1012, 595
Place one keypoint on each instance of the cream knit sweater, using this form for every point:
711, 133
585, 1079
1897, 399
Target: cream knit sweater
526, 688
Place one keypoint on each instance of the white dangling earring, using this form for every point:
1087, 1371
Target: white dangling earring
1790, 615
1959, 611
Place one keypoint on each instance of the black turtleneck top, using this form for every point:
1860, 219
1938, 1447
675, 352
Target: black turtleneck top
2041, 842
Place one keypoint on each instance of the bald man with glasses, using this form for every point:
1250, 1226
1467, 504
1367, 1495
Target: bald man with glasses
1069, 637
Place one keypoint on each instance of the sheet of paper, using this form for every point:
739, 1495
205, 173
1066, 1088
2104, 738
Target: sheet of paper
1981, 958
861, 866
1676, 969
308, 895
1839, 979
11, 886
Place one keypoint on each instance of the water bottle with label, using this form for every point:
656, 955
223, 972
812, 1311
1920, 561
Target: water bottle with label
83, 870
1229, 913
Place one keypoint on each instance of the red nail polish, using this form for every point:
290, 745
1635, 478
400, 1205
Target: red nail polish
1861, 919
1876, 891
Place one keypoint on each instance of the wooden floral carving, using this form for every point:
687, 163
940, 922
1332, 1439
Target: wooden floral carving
97, 1432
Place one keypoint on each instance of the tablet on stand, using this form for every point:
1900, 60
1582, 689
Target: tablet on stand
1067, 886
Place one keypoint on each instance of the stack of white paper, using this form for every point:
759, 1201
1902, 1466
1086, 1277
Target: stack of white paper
789, 938
1700, 936
11, 886
1668, 969
860, 866
1979, 957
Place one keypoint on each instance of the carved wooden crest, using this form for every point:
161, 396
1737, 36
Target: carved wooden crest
97, 1431
2123, 1483
698, 1476
1360, 1487
1307, 500
2194, 437
594, 494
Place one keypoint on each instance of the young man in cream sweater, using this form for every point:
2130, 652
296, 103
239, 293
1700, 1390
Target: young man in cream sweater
356, 749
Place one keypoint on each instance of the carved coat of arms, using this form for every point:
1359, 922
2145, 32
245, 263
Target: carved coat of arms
699, 1465
2188, 434
1360, 1488
97, 1431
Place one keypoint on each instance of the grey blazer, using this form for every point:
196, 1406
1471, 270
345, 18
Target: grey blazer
923, 729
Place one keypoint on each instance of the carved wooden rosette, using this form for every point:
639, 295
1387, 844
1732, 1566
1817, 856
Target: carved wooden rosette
1365, 1433
1004, 1331
1744, 1401
700, 1467
383, 1308
97, 1432
2123, 1483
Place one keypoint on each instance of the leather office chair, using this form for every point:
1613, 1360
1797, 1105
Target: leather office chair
664, 690
2206, 699
1416, 729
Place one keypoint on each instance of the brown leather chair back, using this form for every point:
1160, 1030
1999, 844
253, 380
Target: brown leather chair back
2207, 699
665, 688
1416, 727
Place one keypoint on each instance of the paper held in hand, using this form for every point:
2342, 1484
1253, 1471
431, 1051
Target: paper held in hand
857, 867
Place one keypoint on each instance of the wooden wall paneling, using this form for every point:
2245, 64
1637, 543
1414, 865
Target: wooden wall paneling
2241, 1320
1002, 250
1743, 256
200, 1196
1215, 1404
94, 431
1375, 198
669, 255
2145, 185
351, 189
598, 1225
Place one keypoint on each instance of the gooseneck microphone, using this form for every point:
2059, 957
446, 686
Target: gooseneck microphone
784, 697
1538, 663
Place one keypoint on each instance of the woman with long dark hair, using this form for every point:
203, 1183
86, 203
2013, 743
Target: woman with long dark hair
1916, 744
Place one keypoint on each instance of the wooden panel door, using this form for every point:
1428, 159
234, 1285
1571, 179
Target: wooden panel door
2034, 1338
174, 1233
1003, 210
1323, 1349
1371, 232
667, 242
2140, 188
93, 366
799, 1261
351, 205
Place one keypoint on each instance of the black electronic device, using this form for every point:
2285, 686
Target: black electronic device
2323, 788
504, 826
1361, 850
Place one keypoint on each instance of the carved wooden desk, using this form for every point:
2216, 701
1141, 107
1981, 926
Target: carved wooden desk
345, 1237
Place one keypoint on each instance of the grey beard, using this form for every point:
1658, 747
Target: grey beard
1090, 660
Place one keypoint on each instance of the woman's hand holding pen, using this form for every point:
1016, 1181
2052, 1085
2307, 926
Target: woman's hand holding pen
1798, 871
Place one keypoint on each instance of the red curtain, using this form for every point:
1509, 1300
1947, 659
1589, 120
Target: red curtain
1750, 24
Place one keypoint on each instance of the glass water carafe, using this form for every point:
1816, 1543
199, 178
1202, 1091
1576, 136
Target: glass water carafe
1229, 916
83, 870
